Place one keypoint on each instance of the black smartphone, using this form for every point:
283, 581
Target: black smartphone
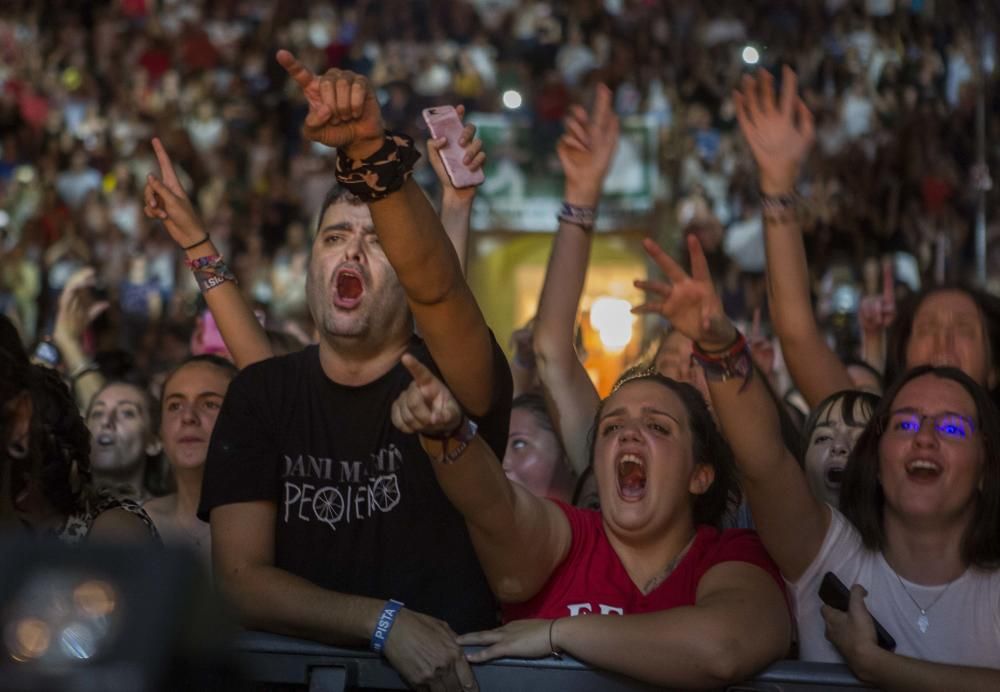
833, 592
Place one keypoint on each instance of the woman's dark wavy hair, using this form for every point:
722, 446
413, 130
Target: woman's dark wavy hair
849, 400
861, 497
709, 447
902, 329
60, 440
15, 379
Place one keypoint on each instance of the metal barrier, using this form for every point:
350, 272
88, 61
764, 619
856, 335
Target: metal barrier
273, 659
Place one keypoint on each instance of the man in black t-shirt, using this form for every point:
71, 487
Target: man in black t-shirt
321, 509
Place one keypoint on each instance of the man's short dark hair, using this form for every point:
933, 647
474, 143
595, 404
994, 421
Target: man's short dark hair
337, 193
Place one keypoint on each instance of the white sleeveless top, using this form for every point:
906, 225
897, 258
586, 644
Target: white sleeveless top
962, 625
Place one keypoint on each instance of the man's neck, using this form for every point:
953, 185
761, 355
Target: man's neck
354, 363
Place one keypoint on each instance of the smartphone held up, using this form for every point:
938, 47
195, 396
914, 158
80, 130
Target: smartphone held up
443, 121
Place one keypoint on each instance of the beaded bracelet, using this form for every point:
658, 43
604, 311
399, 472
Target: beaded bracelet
210, 271
732, 362
382, 173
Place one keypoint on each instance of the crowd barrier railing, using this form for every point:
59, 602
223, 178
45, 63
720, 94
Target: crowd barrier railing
273, 659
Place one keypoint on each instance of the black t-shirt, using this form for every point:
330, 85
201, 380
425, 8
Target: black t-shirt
360, 510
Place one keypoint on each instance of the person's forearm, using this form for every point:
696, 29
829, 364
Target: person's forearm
476, 486
455, 217
564, 279
678, 648
571, 397
238, 325
416, 245
271, 599
444, 310
758, 446
815, 368
889, 671
515, 541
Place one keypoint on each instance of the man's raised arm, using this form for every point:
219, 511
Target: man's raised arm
375, 165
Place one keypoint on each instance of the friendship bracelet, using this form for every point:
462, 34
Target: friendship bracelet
382, 173
779, 203
384, 624
552, 649
463, 434
192, 246
584, 217
733, 362
210, 271
442, 436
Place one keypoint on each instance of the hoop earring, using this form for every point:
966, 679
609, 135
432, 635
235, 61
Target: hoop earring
17, 450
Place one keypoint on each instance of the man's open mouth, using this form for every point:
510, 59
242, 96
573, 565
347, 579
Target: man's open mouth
350, 288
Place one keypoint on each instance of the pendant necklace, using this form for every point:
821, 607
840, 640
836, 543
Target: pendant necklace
923, 622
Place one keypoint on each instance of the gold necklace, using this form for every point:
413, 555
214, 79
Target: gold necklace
923, 622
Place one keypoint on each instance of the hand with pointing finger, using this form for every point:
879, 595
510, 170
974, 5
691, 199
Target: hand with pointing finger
343, 110
426, 406
166, 201
689, 302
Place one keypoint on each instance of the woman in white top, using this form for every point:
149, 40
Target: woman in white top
920, 529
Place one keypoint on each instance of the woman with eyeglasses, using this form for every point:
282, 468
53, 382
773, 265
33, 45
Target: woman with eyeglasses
918, 529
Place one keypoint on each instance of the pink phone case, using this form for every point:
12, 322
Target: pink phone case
443, 121
211, 338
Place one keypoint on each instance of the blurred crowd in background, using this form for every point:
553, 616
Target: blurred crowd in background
85, 85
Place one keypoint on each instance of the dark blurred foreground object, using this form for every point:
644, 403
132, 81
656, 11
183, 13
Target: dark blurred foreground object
108, 618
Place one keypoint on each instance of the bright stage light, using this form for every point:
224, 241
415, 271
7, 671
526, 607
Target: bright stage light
511, 100
751, 56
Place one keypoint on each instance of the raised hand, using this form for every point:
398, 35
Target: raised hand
166, 201
518, 639
425, 653
426, 406
76, 309
586, 148
475, 159
343, 110
877, 313
779, 133
689, 302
